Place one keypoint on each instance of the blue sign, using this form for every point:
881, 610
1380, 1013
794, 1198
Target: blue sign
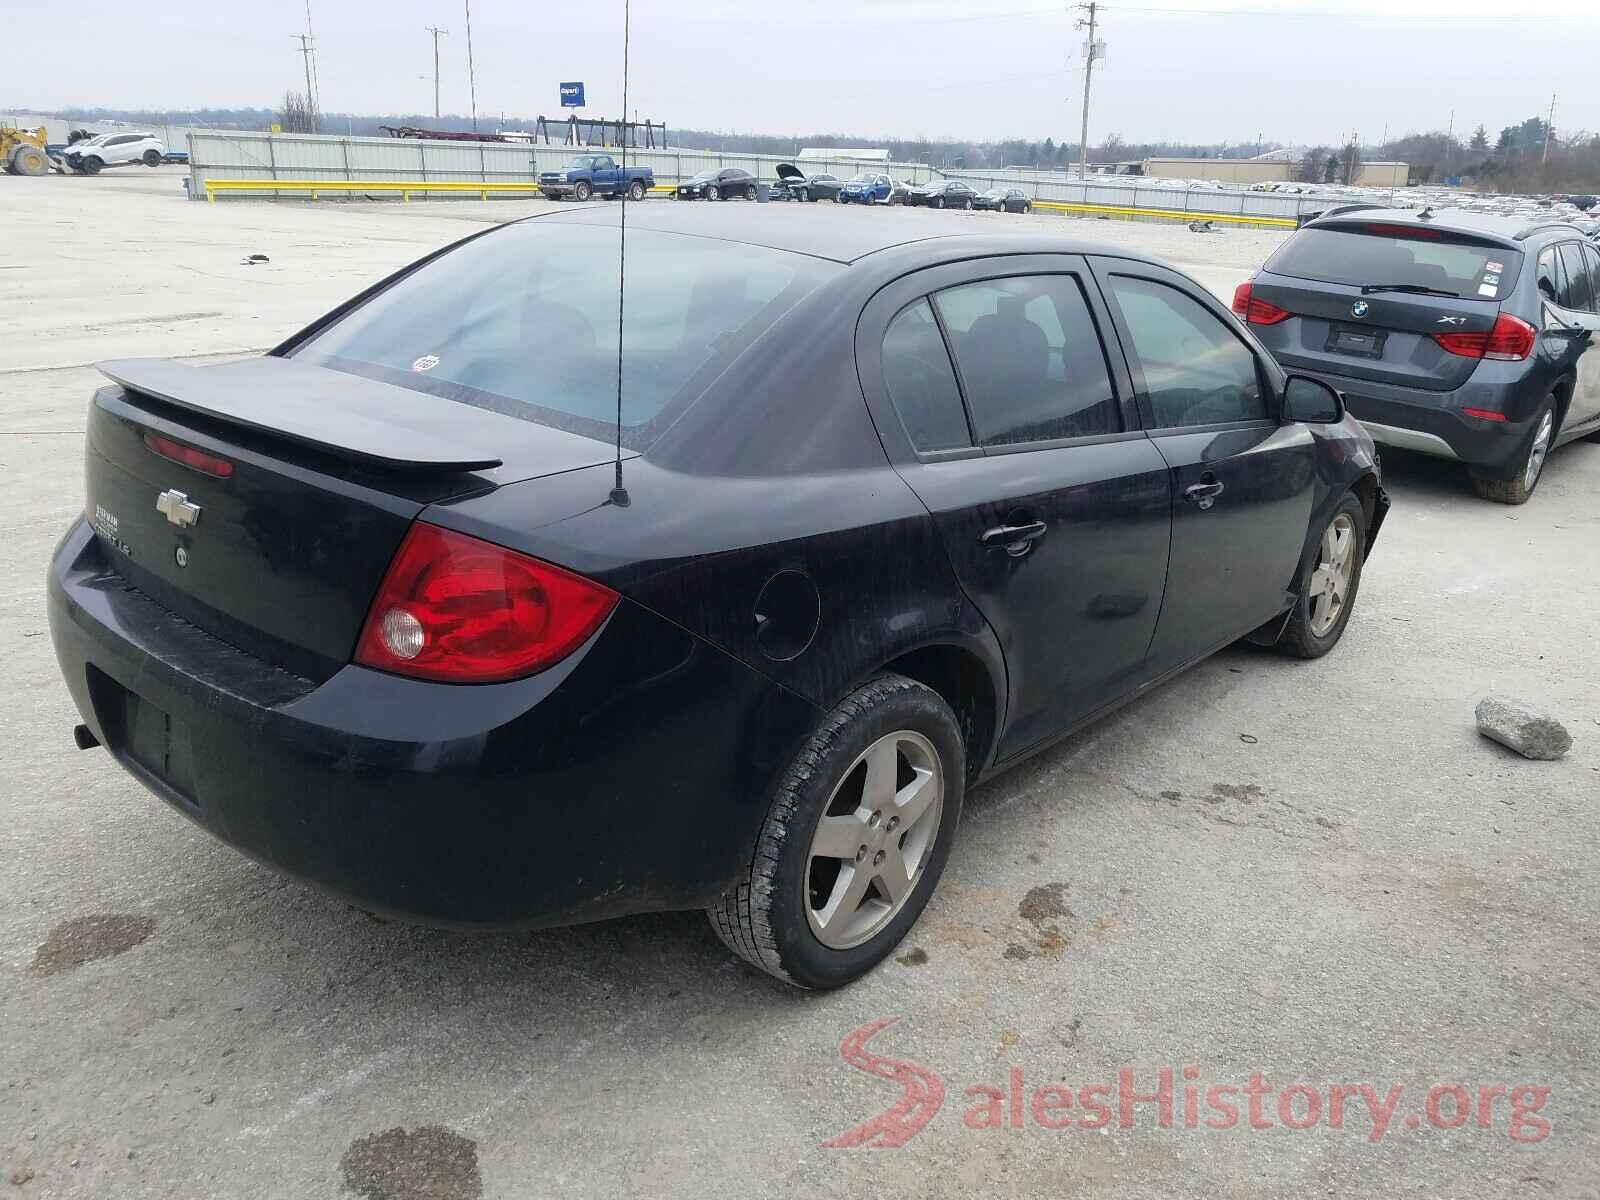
572, 95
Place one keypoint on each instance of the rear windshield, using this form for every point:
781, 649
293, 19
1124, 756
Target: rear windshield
524, 321
1371, 255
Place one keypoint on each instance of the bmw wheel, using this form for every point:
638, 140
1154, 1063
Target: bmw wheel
1528, 466
712, 193
855, 841
1328, 584
750, 192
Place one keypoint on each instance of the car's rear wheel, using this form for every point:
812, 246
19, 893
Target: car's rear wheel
855, 841
1329, 584
712, 193
750, 192
151, 158
636, 190
1529, 464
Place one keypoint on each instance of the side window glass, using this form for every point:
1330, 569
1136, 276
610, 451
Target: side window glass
1031, 360
1579, 294
1592, 257
1197, 371
1548, 277
921, 382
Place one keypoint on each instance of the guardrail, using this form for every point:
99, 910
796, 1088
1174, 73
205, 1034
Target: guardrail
404, 187
1171, 214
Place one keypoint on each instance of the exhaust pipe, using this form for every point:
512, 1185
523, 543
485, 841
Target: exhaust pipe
85, 739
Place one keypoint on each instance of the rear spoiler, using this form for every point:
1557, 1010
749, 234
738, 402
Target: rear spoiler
350, 416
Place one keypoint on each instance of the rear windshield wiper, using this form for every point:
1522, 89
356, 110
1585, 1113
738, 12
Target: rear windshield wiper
1414, 288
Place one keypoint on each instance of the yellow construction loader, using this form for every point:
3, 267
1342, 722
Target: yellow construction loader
22, 150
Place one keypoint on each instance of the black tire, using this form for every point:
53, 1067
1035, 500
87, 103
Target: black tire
1300, 637
636, 190
151, 158
967, 204
29, 160
803, 195
90, 164
581, 191
764, 917
712, 193
751, 192
1519, 488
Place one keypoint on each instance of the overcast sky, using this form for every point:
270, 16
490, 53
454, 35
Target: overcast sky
1189, 70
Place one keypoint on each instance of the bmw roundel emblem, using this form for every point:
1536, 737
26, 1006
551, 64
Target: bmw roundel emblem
1358, 309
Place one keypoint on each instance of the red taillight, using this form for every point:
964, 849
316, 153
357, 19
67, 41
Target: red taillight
1511, 340
208, 464
1255, 310
455, 608
1484, 414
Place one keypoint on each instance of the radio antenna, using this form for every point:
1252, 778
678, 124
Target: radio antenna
619, 494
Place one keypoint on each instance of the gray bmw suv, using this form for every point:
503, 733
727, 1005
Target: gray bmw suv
1462, 335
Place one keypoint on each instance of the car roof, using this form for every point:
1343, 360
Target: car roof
840, 234
1513, 231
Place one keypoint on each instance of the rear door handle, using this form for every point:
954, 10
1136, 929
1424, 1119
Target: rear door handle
1015, 539
1203, 494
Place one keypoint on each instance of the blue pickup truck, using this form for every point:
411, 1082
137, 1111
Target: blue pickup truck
596, 175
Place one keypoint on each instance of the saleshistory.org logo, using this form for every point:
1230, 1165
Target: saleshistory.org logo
1190, 1104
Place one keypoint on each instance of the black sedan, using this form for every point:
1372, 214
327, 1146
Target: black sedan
942, 193
1012, 200
725, 183
416, 608
794, 184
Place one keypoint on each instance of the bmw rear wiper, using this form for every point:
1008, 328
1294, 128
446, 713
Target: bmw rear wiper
1414, 288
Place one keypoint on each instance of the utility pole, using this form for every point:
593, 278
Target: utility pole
305, 53
316, 84
437, 34
472, 80
1088, 23
1549, 128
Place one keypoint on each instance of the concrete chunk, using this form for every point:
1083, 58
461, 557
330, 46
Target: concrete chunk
1530, 733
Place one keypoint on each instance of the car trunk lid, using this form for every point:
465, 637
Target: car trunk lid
263, 500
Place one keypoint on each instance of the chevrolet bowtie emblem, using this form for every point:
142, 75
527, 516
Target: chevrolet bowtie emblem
177, 508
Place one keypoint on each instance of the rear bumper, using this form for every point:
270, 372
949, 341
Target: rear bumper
1433, 422
631, 777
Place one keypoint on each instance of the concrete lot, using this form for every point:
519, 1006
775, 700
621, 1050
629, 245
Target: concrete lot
1314, 871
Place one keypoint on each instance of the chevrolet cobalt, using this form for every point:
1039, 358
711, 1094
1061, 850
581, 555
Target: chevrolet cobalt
424, 608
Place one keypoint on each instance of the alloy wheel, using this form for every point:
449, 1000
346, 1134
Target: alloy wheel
1330, 580
874, 838
1538, 451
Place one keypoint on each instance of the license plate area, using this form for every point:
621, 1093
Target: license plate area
145, 738
1359, 341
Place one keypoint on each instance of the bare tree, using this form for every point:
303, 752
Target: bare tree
299, 113
1314, 165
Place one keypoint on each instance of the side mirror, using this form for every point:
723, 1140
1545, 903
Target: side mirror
1312, 401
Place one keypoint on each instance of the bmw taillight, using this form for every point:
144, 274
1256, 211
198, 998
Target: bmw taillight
1511, 340
1254, 310
461, 610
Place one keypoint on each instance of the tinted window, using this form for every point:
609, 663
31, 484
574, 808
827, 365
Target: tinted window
921, 382
1197, 371
1593, 257
1398, 254
524, 321
1579, 292
1549, 276
1030, 360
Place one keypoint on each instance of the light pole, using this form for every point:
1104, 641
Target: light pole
472, 80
